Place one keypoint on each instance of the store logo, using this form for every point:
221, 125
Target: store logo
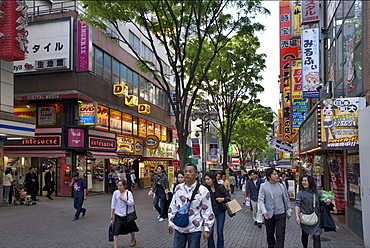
151, 141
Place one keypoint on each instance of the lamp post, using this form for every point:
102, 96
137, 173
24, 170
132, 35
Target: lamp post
205, 115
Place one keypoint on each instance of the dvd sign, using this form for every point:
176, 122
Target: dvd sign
151, 142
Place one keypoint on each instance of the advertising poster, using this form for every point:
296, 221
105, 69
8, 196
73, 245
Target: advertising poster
163, 133
213, 149
125, 144
126, 124
76, 137
142, 128
115, 121
296, 7
340, 122
310, 62
103, 117
196, 148
150, 128
86, 113
291, 189
171, 175
46, 115
336, 165
157, 130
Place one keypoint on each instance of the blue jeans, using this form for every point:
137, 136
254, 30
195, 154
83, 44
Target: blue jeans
6, 190
77, 204
220, 222
193, 239
161, 209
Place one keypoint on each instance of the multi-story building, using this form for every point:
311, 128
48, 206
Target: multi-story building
94, 110
324, 90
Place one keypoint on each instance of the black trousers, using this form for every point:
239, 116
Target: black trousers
275, 231
50, 191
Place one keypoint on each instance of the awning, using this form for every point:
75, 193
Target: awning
35, 153
164, 159
104, 155
283, 166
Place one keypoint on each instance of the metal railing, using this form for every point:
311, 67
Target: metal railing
55, 7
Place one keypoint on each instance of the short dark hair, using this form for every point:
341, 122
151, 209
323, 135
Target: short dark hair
161, 166
193, 165
269, 171
124, 183
252, 171
75, 174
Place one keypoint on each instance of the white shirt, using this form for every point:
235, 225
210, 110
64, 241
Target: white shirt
201, 216
119, 206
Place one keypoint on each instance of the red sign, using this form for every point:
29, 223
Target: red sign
12, 33
101, 143
76, 137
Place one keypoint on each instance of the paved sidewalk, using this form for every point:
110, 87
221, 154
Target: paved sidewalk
49, 224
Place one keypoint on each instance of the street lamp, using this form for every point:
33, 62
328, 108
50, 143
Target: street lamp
205, 115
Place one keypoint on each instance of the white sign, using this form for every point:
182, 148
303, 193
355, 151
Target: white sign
50, 47
279, 144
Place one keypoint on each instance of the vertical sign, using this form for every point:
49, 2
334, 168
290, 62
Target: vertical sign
195, 148
142, 128
126, 124
310, 62
296, 18
288, 51
82, 46
13, 20
115, 122
163, 133
150, 128
213, 149
102, 122
310, 11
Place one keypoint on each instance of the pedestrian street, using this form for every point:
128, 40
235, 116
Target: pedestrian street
49, 224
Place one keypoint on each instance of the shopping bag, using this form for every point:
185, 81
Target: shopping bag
259, 217
248, 203
110, 232
233, 206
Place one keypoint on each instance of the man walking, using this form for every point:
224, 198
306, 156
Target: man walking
30, 181
252, 189
80, 191
274, 203
49, 182
201, 216
232, 180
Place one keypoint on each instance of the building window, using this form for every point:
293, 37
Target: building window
98, 62
123, 74
134, 41
107, 67
144, 88
135, 83
116, 68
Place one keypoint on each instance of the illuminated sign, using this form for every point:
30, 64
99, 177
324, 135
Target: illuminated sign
37, 141
101, 143
120, 90
47, 116
131, 100
125, 144
151, 142
25, 112
143, 108
86, 113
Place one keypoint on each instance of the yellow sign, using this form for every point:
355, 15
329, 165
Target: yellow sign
120, 90
151, 141
143, 109
25, 112
131, 100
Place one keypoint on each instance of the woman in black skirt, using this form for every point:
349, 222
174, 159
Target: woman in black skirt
122, 203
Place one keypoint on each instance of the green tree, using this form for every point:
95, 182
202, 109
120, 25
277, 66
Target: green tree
232, 83
250, 131
182, 29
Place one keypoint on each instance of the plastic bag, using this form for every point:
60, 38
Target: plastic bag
326, 195
110, 232
248, 203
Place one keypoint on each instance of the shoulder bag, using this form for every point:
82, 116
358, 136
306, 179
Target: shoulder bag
309, 219
181, 218
131, 216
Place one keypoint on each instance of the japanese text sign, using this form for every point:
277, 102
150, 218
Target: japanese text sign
310, 62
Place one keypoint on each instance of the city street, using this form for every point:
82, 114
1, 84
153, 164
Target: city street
49, 224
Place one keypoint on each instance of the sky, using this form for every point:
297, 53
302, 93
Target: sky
269, 40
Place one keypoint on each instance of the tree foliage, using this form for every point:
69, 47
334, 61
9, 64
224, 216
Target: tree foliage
192, 33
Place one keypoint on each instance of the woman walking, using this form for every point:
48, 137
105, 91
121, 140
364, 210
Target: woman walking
219, 196
122, 204
7, 183
306, 199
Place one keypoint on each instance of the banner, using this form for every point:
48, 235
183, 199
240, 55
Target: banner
195, 148
336, 165
310, 62
213, 149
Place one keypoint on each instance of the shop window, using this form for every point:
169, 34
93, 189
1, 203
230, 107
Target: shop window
354, 181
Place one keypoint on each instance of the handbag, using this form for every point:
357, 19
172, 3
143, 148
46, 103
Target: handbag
181, 218
233, 206
110, 232
309, 219
45, 188
130, 216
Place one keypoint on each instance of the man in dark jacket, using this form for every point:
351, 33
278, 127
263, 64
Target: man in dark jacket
80, 191
30, 182
251, 193
49, 182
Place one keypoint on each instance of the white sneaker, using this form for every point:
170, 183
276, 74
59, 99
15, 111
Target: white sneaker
161, 219
158, 217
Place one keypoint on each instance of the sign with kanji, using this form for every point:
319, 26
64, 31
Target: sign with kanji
50, 47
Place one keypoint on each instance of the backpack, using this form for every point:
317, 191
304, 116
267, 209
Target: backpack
181, 218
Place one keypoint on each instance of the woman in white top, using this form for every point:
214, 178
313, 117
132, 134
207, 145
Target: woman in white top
122, 204
7, 182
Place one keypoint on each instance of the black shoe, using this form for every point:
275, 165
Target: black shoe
75, 219
51, 198
255, 223
83, 213
259, 225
